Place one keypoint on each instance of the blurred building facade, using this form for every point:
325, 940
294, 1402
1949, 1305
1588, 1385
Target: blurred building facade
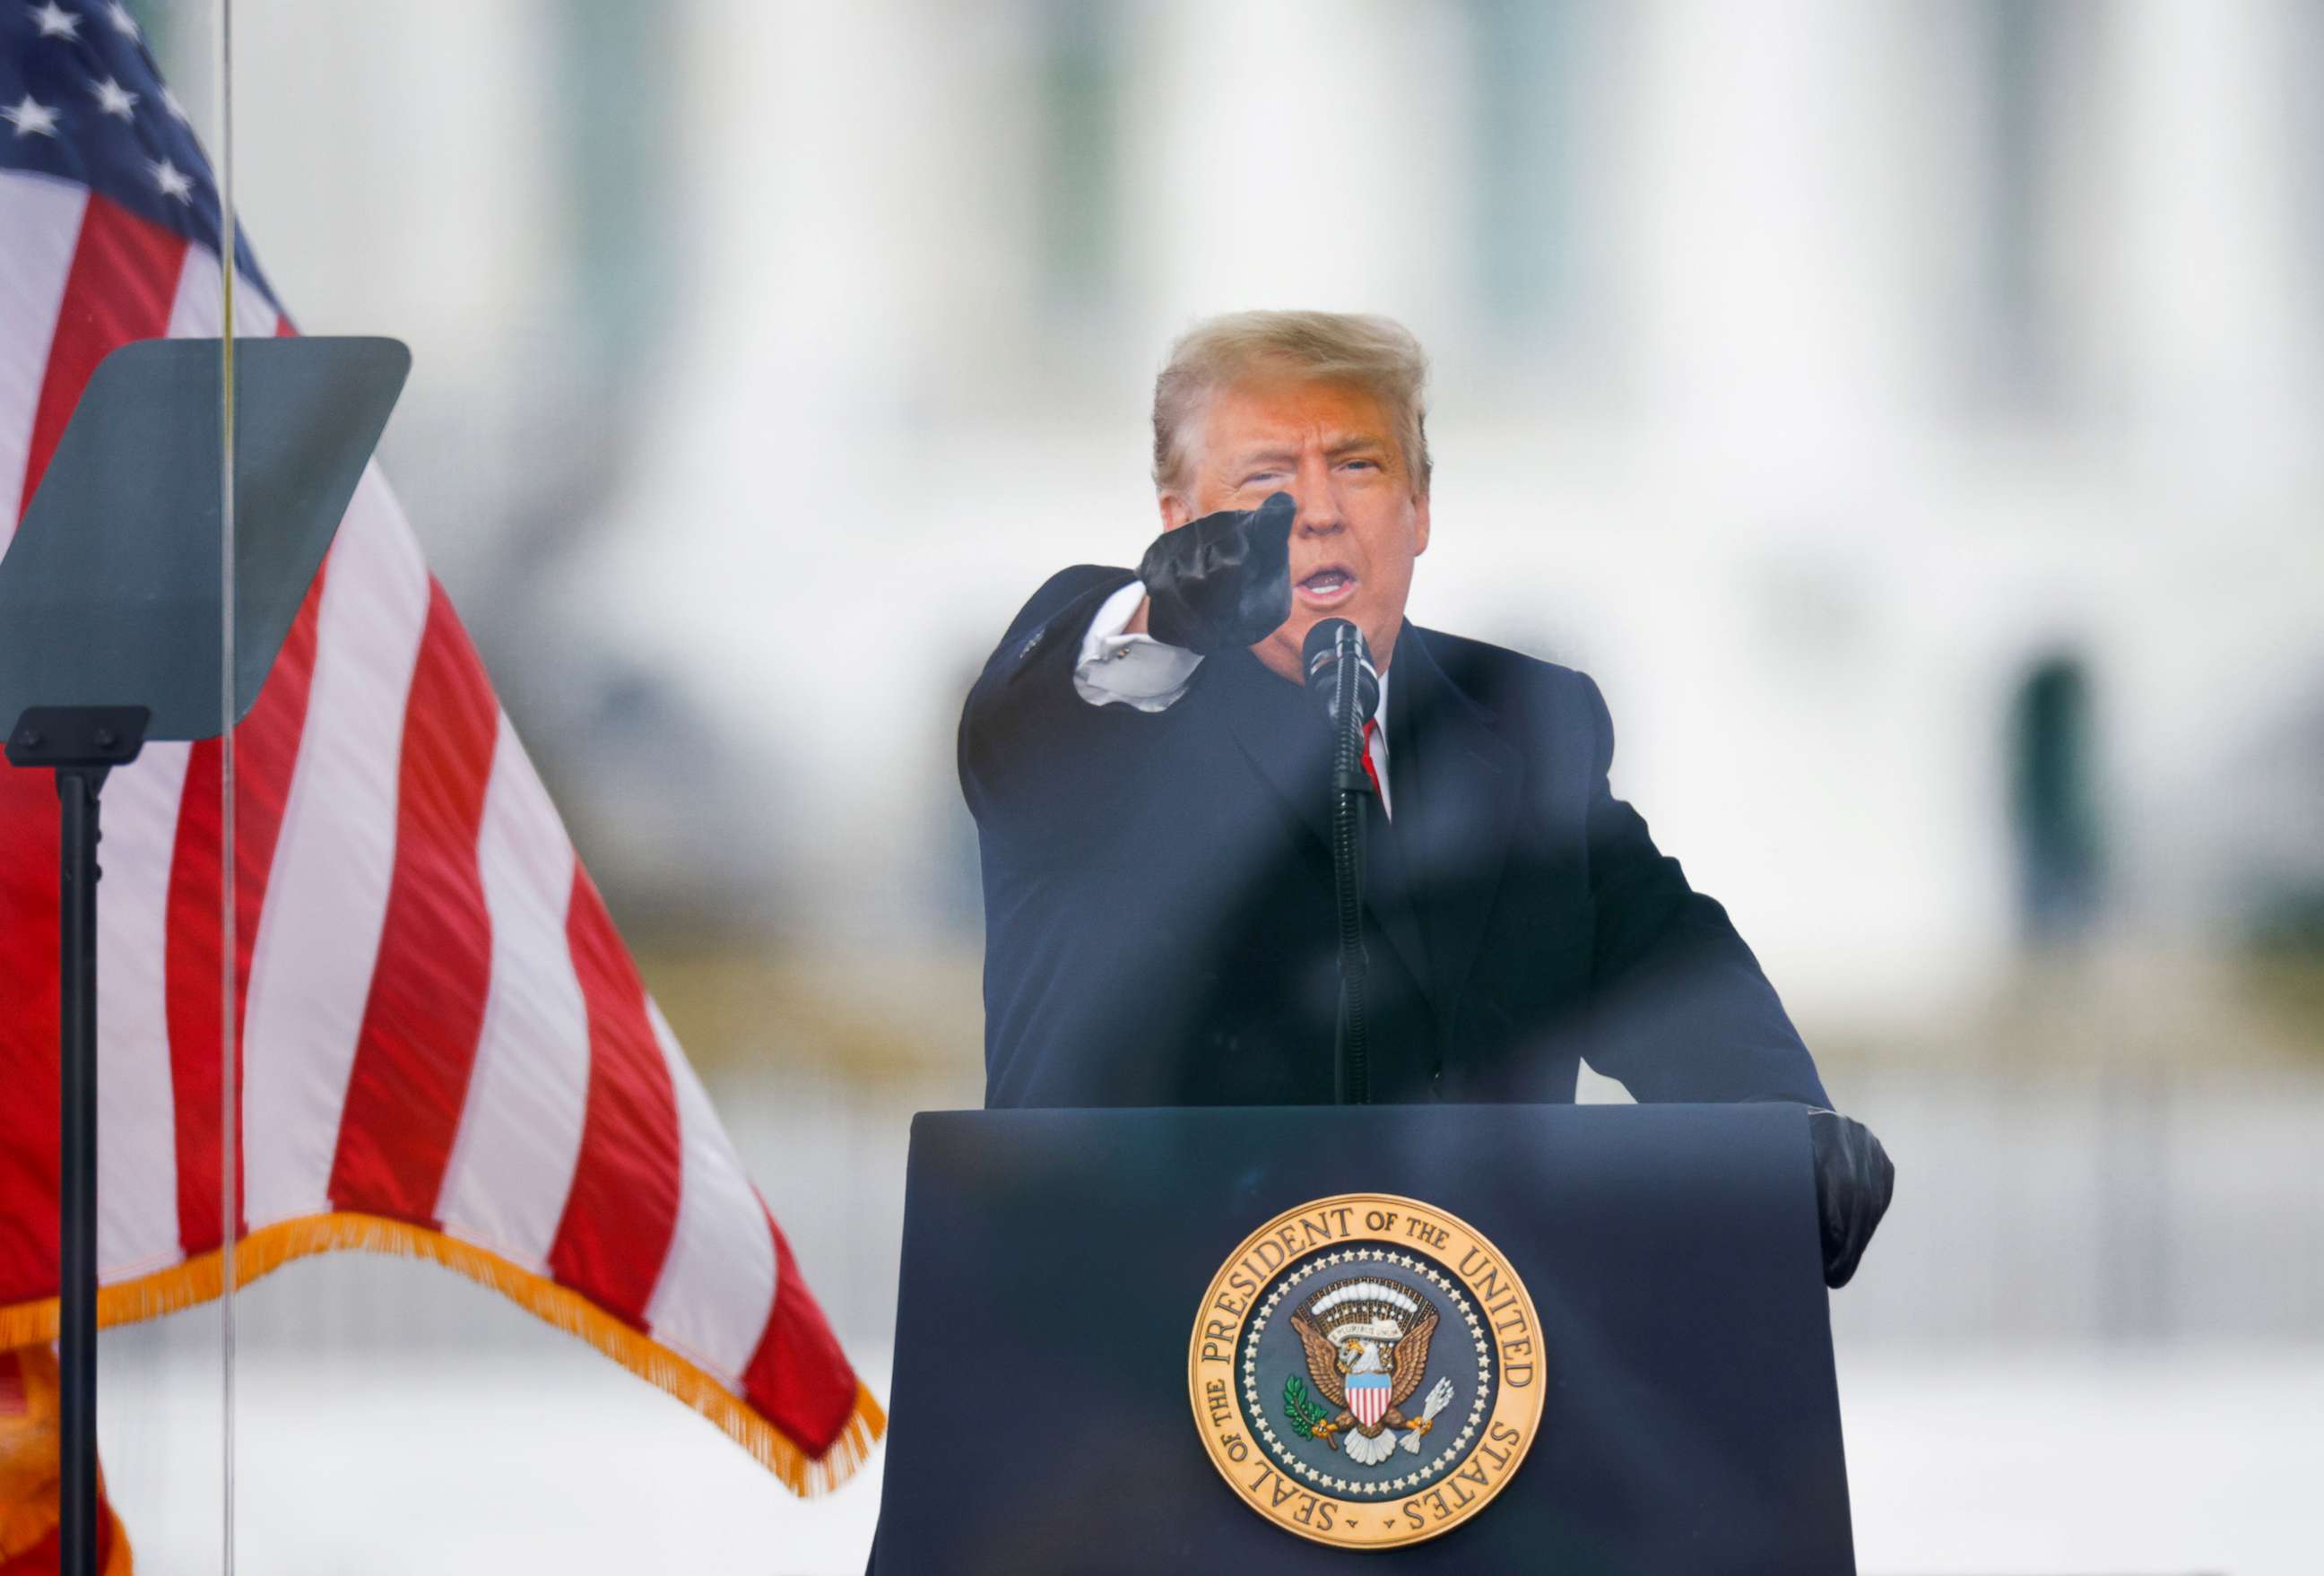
1818, 375
1906, 410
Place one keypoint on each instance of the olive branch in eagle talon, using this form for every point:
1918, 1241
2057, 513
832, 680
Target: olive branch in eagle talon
1298, 1410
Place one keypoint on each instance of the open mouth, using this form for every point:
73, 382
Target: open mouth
1327, 586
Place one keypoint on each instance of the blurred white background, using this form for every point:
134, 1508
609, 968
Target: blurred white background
1906, 409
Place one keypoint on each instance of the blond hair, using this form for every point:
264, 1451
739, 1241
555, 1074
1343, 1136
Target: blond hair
1376, 354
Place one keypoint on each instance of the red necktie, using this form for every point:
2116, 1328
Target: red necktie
1370, 728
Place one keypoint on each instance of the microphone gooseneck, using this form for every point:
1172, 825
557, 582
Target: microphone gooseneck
1343, 682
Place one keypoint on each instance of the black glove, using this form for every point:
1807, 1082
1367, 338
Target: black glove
1853, 1180
1221, 581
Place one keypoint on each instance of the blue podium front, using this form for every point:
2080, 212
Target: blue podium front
1441, 1338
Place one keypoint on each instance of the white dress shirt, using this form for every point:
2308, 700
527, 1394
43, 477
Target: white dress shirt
1120, 668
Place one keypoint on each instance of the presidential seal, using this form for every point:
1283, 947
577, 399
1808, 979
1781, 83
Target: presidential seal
1366, 1371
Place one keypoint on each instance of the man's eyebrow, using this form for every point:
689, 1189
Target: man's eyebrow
1279, 455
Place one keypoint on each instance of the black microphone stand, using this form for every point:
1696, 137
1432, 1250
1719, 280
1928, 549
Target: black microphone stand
1340, 644
1350, 1070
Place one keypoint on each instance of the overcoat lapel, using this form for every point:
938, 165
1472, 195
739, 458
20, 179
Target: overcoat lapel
1387, 887
1457, 784
1277, 727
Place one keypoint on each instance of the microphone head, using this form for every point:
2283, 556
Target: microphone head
1329, 637
1332, 645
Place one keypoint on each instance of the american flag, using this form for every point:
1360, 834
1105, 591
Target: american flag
445, 1048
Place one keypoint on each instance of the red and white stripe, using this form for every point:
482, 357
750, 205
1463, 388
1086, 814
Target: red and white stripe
511, 1166
438, 1023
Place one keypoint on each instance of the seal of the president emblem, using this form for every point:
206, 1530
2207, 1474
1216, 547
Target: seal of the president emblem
1366, 1371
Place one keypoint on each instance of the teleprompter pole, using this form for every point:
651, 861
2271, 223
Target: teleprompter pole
81, 745
77, 1208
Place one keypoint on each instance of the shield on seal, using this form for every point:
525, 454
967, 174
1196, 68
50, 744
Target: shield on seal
1368, 1397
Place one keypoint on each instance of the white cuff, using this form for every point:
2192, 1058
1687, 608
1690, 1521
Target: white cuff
1135, 670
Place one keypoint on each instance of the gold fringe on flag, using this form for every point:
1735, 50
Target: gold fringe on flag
270, 1247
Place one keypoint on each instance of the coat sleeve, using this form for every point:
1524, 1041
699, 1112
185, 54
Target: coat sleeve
1680, 1008
1043, 772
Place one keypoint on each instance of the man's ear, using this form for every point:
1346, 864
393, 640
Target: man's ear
1174, 510
1420, 526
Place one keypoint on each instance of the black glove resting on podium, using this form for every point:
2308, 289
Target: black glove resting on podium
1221, 581
1853, 1180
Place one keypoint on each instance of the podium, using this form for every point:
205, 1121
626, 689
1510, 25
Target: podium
1669, 1367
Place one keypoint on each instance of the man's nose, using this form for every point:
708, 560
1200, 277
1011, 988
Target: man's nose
1319, 509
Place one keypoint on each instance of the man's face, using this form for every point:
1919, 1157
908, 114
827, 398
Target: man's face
1359, 525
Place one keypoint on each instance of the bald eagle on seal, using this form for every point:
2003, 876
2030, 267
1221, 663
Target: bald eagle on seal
1355, 1328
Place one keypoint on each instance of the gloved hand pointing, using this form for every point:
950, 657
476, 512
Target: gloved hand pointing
1221, 581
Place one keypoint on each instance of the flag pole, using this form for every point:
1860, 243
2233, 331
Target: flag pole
81, 745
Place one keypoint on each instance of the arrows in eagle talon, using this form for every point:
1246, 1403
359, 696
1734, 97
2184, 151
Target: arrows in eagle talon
1439, 1398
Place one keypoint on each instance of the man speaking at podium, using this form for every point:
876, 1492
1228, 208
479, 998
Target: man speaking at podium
1151, 783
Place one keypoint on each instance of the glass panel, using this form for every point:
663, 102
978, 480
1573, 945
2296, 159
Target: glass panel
768, 356
110, 225
477, 1077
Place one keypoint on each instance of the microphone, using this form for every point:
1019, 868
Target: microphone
1332, 646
